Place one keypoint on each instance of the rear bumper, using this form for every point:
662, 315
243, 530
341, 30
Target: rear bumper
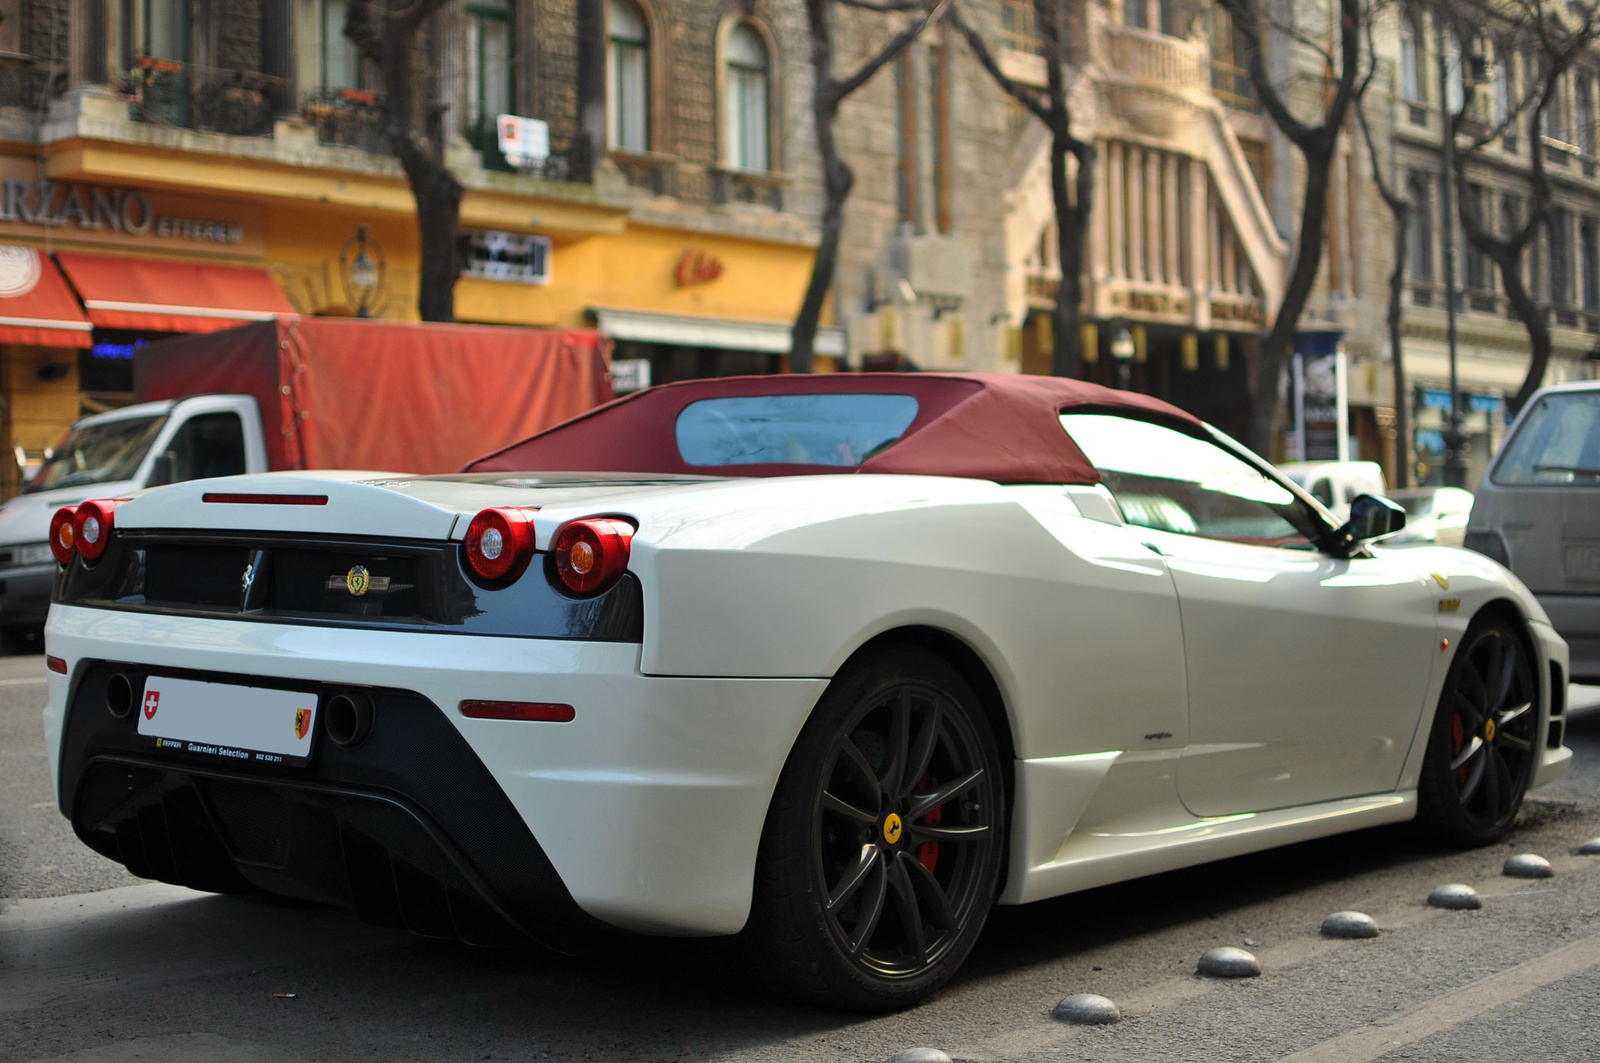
647, 808
1576, 617
25, 595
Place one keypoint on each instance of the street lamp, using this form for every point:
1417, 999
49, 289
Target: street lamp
362, 268
1122, 352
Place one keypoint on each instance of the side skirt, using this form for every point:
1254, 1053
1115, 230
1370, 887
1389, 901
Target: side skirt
1091, 858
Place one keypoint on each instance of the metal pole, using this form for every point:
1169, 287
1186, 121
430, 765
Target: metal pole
1455, 465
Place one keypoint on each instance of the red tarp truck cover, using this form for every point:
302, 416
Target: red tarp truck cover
394, 396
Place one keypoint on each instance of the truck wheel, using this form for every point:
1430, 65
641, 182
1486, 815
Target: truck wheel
881, 853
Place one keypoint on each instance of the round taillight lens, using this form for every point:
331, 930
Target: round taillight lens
592, 554
63, 535
92, 525
500, 543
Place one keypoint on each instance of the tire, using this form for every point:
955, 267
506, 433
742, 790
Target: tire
1484, 741
882, 849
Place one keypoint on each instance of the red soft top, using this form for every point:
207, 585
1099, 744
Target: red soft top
984, 426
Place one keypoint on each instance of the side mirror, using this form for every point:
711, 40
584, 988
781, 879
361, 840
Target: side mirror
161, 470
1372, 517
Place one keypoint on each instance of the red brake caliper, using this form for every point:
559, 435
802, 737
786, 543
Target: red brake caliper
1458, 738
928, 852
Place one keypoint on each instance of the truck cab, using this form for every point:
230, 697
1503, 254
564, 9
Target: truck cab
114, 455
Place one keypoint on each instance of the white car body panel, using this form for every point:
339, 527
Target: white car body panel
650, 803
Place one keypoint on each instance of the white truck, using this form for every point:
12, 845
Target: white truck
301, 393
111, 455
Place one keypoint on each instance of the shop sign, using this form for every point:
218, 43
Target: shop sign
75, 212
498, 256
697, 267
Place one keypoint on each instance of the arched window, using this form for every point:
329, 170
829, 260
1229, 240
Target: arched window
1410, 58
628, 114
747, 99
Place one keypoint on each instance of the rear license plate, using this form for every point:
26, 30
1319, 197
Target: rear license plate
233, 723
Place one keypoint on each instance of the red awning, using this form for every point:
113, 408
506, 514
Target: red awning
36, 306
141, 293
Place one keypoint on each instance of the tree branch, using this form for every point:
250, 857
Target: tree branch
840, 88
1027, 95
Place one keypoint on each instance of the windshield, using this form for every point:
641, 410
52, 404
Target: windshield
843, 430
1558, 443
99, 453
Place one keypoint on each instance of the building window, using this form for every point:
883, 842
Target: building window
1502, 84
1419, 190
1167, 12
1230, 56
489, 70
628, 113
1411, 57
1560, 258
747, 99
1017, 29
1583, 98
1590, 251
1480, 267
1136, 13
1555, 117
325, 58
155, 28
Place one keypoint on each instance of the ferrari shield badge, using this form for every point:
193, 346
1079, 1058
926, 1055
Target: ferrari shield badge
302, 722
892, 828
357, 580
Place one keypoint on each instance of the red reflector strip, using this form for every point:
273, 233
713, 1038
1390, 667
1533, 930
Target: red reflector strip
518, 710
56, 664
266, 500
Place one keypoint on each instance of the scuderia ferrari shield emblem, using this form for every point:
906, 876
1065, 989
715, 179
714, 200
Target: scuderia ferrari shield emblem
302, 722
357, 580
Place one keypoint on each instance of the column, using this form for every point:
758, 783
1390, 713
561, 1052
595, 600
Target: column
1116, 214
1135, 213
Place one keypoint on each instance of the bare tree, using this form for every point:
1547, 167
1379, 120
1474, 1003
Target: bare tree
1400, 208
827, 93
1557, 36
1073, 199
1317, 143
386, 32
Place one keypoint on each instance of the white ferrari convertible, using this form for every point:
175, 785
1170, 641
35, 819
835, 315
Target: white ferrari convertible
829, 663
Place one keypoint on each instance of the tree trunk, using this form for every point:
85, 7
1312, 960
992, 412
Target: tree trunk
837, 179
1397, 285
1533, 319
1279, 343
1069, 295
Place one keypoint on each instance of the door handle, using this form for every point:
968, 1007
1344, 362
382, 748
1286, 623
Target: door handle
1153, 548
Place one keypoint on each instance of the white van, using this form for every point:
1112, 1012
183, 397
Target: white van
1337, 483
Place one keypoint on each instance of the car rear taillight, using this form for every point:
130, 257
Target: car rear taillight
92, 525
547, 712
63, 535
500, 543
592, 554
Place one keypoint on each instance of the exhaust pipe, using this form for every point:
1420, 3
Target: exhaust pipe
347, 718
119, 695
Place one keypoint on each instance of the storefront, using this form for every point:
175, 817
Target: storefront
135, 241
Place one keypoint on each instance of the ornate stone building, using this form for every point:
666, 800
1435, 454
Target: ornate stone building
672, 203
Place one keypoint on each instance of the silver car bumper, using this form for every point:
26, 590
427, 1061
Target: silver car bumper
1576, 617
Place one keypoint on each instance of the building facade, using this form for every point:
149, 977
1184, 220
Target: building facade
171, 165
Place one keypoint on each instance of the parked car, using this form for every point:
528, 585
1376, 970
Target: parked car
1538, 513
1433, 514
831, 663
297, 393
1337, 483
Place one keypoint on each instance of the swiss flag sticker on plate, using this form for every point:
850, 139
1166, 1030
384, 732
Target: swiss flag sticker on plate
236, 722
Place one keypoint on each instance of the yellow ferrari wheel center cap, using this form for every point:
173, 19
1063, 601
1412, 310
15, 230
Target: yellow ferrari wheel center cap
1488, 731
892, 828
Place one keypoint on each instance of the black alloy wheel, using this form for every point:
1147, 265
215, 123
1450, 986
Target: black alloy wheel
882, 851
1485, 738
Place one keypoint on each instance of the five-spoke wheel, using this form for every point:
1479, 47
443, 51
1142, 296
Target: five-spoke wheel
882, 852
1485, 738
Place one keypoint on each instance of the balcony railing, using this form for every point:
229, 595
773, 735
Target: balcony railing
1153, 58
347, 118
236, 102
748, 186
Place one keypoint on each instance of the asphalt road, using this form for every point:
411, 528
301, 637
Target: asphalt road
97, 967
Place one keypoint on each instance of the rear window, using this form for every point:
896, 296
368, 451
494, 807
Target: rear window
1558, 443
838, 430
